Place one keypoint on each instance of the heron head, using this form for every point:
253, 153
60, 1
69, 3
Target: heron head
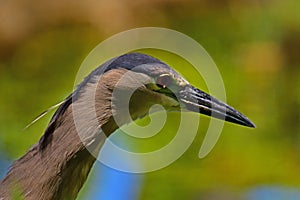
143, 81
127, 87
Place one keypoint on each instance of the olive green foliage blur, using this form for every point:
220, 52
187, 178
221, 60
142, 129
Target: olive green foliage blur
255, 45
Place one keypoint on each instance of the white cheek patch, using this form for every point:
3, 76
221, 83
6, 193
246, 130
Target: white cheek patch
168, 101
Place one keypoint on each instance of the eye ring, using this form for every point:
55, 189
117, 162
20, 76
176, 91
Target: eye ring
163, 80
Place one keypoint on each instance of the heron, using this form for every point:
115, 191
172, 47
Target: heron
57, 166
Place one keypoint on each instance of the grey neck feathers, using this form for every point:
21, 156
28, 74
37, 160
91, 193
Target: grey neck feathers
59, 169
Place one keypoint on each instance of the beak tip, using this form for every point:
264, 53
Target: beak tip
248, 123
252, 125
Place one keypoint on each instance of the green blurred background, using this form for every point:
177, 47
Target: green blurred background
255, 44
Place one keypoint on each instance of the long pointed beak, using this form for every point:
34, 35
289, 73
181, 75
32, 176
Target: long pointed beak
198, 101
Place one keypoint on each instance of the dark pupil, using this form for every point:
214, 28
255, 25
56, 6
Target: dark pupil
163, 80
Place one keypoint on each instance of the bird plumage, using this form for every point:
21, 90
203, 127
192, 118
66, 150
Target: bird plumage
58, 165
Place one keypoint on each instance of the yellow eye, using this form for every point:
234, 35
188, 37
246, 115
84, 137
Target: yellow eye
163, 80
